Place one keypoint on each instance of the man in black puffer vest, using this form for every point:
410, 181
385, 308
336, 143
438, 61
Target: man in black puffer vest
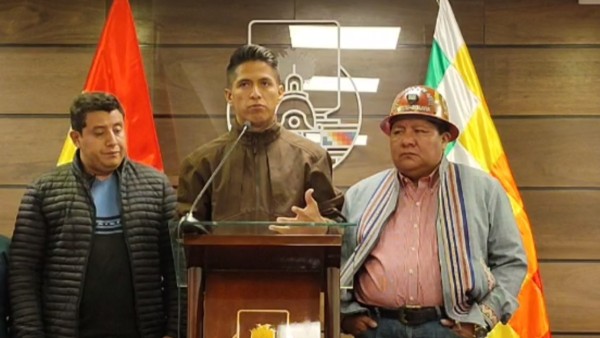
90, 255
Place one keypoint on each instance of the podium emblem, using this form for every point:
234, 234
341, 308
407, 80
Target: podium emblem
248, 320
262, 331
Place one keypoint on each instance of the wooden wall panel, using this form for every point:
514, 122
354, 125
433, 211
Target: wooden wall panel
416, 18
56, 22
541, 22
208, 22
9, 205
516, 82
564, 222
533, 146
44, 80
542, 81
552, 152
30, 147
179, 137
572, 296
190, 81
41, 80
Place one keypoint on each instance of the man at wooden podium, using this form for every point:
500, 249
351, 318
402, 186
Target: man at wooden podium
268, 168
258, 171
436, 251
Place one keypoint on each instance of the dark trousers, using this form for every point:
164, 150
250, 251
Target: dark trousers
391, 328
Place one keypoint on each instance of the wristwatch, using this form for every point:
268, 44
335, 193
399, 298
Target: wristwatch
480, 331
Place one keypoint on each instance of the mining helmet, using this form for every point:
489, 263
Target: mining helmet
420, 101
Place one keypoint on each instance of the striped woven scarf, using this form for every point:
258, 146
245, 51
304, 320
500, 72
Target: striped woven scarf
453, 234
453, 237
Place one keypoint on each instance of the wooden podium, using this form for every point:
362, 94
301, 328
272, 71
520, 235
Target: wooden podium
250, 282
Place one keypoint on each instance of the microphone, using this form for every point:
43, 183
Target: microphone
189, 221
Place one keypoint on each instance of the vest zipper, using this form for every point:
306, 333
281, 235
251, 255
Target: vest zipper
130, 260
87, 258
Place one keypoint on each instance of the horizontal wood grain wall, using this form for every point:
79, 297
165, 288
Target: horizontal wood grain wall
537, 60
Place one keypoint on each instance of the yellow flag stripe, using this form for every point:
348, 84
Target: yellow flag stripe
68, 151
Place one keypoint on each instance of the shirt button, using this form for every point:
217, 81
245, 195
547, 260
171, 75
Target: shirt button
410, 271
415, 225
411, 298
418, 204
413, 248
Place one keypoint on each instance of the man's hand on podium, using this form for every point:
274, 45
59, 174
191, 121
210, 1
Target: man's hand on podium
308, 214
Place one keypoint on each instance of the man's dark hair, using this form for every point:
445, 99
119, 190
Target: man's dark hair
441, 126
85, 103
247, 53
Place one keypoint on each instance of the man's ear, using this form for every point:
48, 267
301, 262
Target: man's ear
75, 137
446, 138
228, 97
281, 91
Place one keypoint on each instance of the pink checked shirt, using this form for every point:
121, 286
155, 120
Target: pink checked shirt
404, 269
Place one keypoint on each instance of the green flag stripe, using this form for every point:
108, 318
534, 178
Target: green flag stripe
449, 147
438, 64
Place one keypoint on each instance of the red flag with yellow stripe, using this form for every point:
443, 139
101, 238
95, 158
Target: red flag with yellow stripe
118, 69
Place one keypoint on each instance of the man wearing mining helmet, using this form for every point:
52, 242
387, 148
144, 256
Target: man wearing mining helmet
436, 251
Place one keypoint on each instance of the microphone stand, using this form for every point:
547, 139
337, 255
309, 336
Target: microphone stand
189, 220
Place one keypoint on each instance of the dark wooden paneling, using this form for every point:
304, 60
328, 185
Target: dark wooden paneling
541, 22
534, 147
546, 81
572, 296
191, 80
42, 80
564, 223
416, 18
207, 22
552, 152
179, 137
30, 147
56, 22
9, 205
